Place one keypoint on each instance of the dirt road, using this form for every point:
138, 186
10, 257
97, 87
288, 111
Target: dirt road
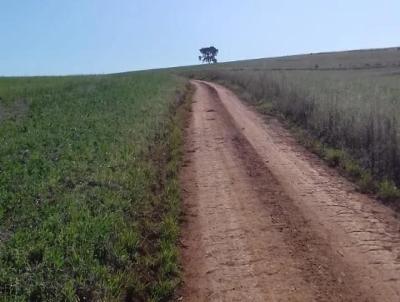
265, 220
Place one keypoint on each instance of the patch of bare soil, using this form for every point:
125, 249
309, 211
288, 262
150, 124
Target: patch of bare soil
266, 221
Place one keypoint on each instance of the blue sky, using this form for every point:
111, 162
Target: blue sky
48, 37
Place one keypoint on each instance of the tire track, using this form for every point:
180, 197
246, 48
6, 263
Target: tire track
245, 238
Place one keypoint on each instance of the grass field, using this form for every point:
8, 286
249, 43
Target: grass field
347, 103
89, 200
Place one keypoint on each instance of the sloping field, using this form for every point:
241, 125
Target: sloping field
88, 193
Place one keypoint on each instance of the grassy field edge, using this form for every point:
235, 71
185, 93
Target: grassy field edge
89, 195
168, 219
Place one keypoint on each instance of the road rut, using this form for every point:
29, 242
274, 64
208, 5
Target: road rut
265, 220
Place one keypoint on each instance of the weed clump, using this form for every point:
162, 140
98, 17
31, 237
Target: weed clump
333, 157
388, 191
366, 183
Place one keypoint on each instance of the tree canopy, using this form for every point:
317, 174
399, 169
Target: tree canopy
208, 54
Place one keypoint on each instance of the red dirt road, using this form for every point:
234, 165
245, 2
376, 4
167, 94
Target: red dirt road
265, 220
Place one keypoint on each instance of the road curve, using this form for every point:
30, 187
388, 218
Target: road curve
265, 220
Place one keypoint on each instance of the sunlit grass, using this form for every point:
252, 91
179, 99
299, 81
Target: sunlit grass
86, 210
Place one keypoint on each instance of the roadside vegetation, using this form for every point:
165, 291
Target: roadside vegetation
89, 199
345, 110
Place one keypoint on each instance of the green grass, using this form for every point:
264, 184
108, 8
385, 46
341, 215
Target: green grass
89, 200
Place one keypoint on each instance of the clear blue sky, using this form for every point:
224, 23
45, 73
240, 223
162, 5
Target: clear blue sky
101, 36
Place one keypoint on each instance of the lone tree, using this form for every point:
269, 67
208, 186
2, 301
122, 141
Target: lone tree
208, 54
